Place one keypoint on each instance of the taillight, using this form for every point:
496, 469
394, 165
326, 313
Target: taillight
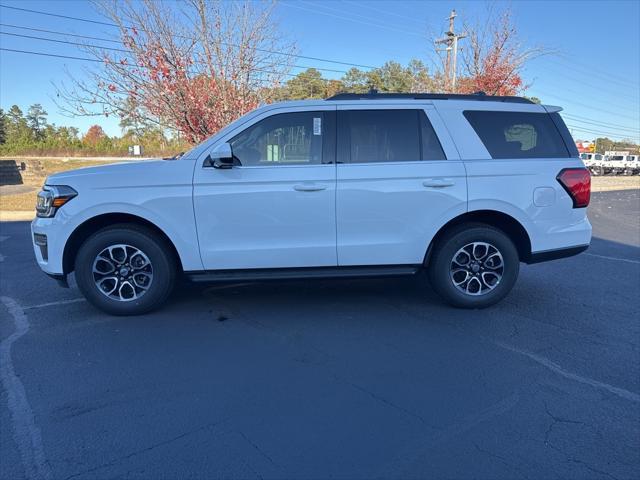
577, 183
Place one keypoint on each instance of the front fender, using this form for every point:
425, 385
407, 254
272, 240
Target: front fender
174, 218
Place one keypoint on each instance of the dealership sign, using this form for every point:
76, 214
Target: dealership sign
586, 147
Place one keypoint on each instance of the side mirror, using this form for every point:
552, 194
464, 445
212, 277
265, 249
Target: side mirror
220, 157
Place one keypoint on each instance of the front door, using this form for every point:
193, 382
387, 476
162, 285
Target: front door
275, 208
395, 184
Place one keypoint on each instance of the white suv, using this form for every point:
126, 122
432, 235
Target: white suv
466, 186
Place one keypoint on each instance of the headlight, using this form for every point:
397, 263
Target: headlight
51, 198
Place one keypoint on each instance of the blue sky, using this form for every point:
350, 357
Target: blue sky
595, 74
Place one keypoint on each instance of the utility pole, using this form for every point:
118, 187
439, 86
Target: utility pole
451, 47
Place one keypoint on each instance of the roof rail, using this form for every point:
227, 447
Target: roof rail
428, 96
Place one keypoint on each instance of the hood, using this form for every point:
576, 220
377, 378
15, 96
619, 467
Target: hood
122, 167
138, 174
112, 170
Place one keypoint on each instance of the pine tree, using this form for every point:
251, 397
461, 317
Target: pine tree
37, 120
3, 127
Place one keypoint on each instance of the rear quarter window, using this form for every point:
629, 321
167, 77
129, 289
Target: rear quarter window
518, 134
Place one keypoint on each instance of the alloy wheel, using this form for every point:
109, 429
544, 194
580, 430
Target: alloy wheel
122, 272
477, 268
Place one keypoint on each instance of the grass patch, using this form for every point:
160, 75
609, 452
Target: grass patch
26, 201
19, 202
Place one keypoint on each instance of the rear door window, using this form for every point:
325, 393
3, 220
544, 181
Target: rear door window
518, 134
374, 136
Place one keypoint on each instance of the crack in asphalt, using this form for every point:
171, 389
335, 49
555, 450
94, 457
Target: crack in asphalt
143, 450
416, 451
505, 461
258, 449
568, 457
386, 402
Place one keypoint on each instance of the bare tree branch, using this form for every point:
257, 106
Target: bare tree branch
193, 66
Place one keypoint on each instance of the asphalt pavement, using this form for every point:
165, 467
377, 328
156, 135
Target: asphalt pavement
330, 379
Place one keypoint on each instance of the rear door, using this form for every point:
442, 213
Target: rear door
398, 177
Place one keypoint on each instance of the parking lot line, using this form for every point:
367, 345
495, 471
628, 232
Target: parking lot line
620, 392
26, 433
613, 258
53, 304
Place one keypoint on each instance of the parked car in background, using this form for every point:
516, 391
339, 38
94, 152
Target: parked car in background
463, 186
593, 161
631, 165
614, 164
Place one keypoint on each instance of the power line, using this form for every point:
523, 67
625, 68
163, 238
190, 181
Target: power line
67, 42
86, 59
589, 68
115, 41
108, 24
601, 132
599, 88
576, 118
603, 102
50, 55
594, 73
68, 34
569, 102
342, 17
369, 6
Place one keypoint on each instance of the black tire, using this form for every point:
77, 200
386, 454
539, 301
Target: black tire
441, 261
162, 267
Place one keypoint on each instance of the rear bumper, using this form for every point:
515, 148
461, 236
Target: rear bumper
547, 255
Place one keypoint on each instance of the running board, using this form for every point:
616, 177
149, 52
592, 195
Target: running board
298, 273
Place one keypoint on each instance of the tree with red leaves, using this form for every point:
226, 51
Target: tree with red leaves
493, 57
193, 69
94, 135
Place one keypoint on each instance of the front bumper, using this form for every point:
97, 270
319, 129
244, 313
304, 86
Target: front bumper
48, 242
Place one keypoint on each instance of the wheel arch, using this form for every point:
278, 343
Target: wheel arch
93, 224
500, 220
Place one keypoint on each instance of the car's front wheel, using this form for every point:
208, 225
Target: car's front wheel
474, 266
125, 270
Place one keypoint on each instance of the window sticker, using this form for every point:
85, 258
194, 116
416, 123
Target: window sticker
317, 126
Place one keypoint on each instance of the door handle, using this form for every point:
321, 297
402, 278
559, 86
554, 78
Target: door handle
438, 183
309, 187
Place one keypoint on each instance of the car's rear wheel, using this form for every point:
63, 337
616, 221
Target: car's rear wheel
474, 266
125, 270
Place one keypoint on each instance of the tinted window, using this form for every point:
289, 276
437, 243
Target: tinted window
431, 148
284, 139
518, 134
379, 135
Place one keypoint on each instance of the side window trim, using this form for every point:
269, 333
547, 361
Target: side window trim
420, 132
329, 137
